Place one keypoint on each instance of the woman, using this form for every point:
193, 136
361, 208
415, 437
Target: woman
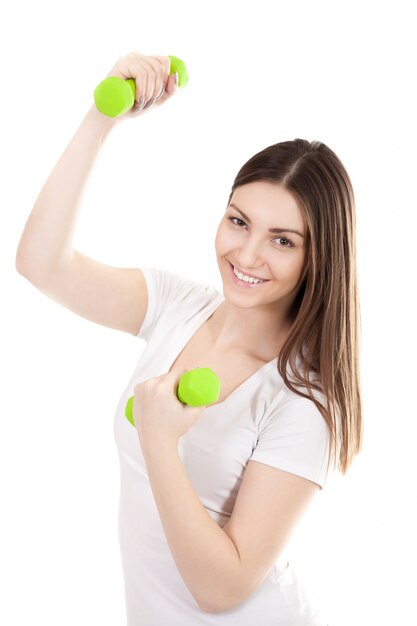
210, 495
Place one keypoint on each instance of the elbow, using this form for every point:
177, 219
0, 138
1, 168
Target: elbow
221, 604
21, 264
26, 268
22, 270
18, 263
206, 607
218, 609
228, 589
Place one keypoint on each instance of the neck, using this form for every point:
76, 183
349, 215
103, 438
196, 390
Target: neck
259, 333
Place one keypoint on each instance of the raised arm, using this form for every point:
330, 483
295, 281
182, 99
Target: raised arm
114, 297
46, 242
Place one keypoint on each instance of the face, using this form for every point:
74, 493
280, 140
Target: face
247, 244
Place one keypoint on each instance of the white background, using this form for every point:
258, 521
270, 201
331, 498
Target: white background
260, 73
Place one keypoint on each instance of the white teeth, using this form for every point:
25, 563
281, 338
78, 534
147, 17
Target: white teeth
246, 279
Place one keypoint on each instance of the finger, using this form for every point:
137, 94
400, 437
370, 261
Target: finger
165, 63
133, 66
144, 80
138, 106
170, 90
157, 79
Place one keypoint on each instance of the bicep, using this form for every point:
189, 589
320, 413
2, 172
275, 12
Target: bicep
111, 296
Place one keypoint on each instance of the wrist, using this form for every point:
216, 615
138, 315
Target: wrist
155, 448
104, 123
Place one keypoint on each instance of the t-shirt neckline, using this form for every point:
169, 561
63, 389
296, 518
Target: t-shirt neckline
200, 321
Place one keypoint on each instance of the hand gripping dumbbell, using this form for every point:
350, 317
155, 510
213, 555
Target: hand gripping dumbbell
198, 387
114, 96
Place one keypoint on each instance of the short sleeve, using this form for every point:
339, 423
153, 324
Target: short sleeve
165, 288
295, 438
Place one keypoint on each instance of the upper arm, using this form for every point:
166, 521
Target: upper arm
111, 296
268, 506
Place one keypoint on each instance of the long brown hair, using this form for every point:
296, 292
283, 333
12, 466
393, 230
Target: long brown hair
326, 324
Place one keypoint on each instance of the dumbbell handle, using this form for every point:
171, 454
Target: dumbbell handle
198, 387
114, 96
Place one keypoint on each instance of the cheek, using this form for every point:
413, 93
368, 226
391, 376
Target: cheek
295, 267
222, 239
286, 267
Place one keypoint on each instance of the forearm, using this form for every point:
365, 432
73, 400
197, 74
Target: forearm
47, 238
206, 557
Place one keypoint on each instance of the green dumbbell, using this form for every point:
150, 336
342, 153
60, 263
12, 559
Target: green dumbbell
198, 387
114, 96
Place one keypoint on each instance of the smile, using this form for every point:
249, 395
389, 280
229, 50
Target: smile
245, 281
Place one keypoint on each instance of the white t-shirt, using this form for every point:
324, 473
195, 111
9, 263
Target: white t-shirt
262, 420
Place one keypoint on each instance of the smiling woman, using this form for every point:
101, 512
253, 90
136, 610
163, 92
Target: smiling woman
209, 499
286, 352
304, 188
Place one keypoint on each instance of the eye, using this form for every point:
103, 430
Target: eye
236, 218
288, 243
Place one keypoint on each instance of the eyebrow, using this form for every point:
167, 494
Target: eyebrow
271, 230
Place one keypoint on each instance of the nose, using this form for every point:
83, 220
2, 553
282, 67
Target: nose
249, 258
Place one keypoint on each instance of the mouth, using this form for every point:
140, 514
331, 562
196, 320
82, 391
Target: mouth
242, 283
